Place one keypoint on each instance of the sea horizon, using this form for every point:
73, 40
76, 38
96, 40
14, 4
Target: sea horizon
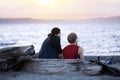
96, 37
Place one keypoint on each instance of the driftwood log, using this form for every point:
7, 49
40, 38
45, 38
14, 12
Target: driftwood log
12, 57
16, 51
53, 66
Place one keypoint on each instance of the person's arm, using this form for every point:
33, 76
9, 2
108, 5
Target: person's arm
80, 52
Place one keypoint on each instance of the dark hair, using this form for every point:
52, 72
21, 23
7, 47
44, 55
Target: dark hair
72, 37
54, 32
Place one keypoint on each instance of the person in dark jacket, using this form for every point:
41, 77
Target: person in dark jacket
51, 47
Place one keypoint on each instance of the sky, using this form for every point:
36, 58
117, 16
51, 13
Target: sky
59, 9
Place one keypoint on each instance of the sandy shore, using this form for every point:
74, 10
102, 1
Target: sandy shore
67, 76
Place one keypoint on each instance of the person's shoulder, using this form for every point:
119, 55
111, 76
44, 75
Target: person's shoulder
80, 48
66, 47
70, 46
57, 38
46, 40
77, 46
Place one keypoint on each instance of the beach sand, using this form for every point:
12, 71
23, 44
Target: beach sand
67, 76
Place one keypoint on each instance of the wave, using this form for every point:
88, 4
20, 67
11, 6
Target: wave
7, 44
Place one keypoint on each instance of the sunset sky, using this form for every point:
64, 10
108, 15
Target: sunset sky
59, 9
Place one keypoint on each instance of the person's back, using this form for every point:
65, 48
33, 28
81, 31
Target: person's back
73, 51
70, 52
51, 47
47, 51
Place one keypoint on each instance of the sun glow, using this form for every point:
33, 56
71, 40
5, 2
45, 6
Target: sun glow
46, 3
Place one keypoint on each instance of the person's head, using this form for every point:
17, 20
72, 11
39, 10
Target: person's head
72, 38
56, 31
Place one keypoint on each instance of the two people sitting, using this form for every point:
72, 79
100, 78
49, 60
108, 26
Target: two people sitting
51, 47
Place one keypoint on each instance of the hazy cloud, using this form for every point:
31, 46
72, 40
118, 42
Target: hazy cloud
61, 8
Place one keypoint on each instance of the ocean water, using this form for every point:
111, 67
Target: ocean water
95, 38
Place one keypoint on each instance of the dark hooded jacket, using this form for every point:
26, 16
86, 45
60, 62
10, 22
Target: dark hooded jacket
48, 51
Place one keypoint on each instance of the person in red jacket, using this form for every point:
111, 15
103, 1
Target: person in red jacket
73, 51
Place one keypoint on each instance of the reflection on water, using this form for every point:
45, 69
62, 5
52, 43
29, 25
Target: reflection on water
95, 38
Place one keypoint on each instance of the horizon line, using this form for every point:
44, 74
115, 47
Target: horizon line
31, 18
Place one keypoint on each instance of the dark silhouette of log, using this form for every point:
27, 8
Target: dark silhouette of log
14, 57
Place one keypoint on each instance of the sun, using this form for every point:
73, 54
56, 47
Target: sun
52, 3
46, 2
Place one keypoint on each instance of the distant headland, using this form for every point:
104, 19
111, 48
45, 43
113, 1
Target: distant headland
33, 20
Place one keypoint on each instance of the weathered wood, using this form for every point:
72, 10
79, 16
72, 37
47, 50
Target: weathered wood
50, 65
116, 58
62, 66
53, 66
104, 58
16, 51
11, 57
92, 70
